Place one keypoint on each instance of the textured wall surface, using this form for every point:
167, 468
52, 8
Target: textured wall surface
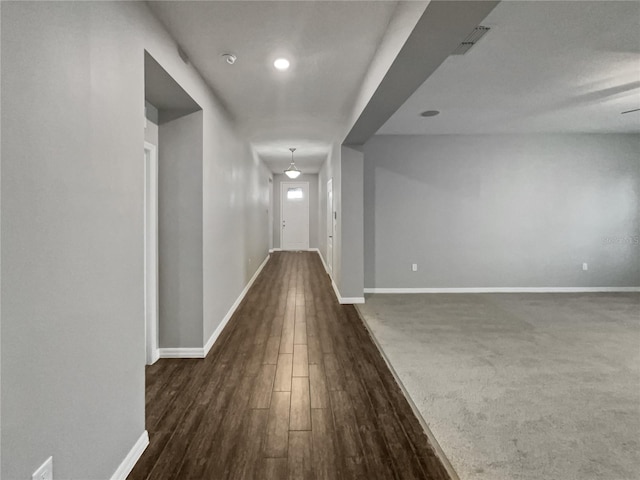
502, 211
351, 240
72, 228
180, 288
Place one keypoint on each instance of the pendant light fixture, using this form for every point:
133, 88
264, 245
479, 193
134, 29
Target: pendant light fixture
292, 171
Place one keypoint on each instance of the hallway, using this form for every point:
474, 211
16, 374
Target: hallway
293, 388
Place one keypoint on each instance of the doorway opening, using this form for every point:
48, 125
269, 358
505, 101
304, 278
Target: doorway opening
173, 203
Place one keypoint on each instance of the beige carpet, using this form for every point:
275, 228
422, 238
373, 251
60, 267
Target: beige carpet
521, 386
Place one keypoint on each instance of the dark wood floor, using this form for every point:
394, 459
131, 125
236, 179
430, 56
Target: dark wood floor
293, 388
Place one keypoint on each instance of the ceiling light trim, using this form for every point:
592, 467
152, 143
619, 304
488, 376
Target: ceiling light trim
282, 64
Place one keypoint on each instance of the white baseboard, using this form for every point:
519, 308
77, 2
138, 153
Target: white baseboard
123, 471
202, 352
504, 290
271, 250
182, 352
335, 289
345, 300
351, 300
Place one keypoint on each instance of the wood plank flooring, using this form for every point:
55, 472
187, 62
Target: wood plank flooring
293, 388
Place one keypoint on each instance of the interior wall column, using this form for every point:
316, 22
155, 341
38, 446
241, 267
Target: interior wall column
351, 281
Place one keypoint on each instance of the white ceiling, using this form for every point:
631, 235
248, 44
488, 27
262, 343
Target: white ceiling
543, 67
330, 46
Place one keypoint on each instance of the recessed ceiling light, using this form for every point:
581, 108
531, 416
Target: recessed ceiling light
429, 113
281, 64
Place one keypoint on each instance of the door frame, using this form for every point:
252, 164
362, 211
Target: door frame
282, 186
151, 253
270, 214
330, 226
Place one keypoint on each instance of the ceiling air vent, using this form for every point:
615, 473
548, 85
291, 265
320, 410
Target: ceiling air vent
471, 40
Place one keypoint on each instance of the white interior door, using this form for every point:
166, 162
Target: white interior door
330, 223
151, 252
294, 204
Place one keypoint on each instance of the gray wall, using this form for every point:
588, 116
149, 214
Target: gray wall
151, 125
151, 113
331, 169
502, 211
235, 219
313, 207
0, 248
351, 283
72, 259
255, 186
72, 228
345, 166
180, 233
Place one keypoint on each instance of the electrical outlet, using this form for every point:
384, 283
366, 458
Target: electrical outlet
585, 266
45, 472
414, 267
